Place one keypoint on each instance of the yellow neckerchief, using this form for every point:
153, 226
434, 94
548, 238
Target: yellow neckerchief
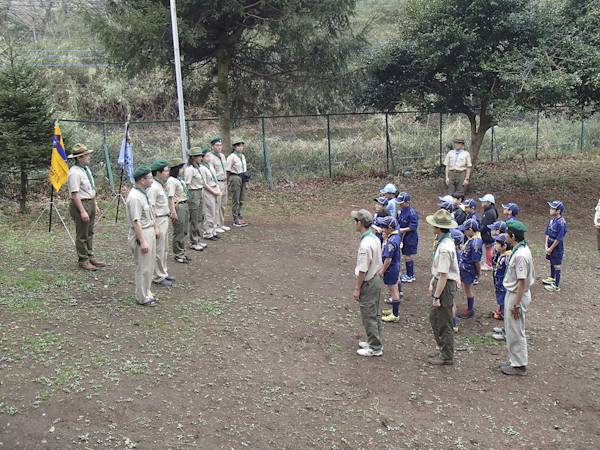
393, 232
476, 235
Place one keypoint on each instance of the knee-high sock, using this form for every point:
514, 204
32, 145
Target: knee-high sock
396, 308
557, 277
470, 303
552, 274
410, 268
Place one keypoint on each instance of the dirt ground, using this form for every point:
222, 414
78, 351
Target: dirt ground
255, 345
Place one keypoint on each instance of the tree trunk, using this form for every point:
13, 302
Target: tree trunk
23, 201
478, 133
224, 106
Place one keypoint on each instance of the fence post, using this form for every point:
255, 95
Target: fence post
329, 145
268, 176
441, 138
387, 144
187, 131
537, 135
108, 168
587, 143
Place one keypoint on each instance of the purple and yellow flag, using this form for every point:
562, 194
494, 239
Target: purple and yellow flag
58, 166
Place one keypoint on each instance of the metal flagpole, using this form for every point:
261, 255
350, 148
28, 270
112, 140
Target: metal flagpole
119, 195
178, 77
52, 202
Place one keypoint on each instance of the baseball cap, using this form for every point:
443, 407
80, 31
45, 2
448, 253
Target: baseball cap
363, 216
512, 207
457, 235
488, 198
389, 189
470, 202
447, 198
470, 224
382, 200
557, 204
447, 206
388, 222
500, 238
498, 225
403, 197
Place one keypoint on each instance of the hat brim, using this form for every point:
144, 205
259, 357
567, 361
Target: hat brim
451, 224
499, 237
72, 156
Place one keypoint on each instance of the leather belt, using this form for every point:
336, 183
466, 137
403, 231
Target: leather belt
458, 171
222, 180
182, 203
87, 199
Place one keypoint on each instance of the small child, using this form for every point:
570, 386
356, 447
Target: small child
448, 206
504, 250
490, 215
408, 222
496, 229
470, 264
470, 206
459, 238
459, 213
380, 211
390, 192
555, 233
510, 210
390, 255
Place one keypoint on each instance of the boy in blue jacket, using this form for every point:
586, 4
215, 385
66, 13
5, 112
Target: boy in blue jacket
470, 264
408, 222
555, 234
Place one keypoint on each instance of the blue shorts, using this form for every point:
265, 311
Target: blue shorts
409, 250
556, 256
500, 297
468, 274
392, 275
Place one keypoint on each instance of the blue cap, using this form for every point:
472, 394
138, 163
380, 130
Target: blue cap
447, 198
512, 207
403, 197
498, 225
470, 202
382, 200
388, 222
500, 238
447, 205
470, 224
389, 189
457, 235
488, 198
557, 204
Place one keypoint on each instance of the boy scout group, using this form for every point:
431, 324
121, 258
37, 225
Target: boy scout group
193, 197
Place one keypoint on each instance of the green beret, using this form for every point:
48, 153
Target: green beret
140, 172
205, 150
215, 140
195, 151
237, 141
515, 227
159, 164
174, 162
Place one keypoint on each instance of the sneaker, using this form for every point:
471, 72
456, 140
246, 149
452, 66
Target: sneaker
387, 312
197, 247
466, 314
387, 301
434, 354
226, 228
243, 223
476, 280
455, 329
391, 318
499, 329
510, 370
497, 315
163, 283
213, 238
181, 260
187, 258
548, 280
598, 267
219, 230
363, 344
484, 266
552, 288
238, 224
407, 279
499, 336
170, 278
202, 244
439, 361
152, 302
368, 351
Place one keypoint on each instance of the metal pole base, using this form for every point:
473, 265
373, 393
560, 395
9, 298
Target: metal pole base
51, 205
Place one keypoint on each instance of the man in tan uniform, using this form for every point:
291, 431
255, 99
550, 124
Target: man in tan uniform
142, 235
219, 162
236, 166
83, 207
193, 182
458, 168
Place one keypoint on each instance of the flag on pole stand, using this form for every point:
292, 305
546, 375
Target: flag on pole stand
58, 165
126, 155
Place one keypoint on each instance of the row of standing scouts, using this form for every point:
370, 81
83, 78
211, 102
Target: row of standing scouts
464, 245
193, 197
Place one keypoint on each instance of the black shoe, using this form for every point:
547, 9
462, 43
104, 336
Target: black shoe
217, 236
509, 370
213, 238
163, 283
181, 260
466, 314
170, 278
150, 303
187, 258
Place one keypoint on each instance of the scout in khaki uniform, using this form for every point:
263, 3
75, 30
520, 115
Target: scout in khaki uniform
142, 235
444, 282
458, 167
210, 194
193, 181
518, 280
83, 207
219, 162
368, 286
236, 165
180, 214
160, 207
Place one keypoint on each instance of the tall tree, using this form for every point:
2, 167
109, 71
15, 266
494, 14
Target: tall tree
280, 42
26, 126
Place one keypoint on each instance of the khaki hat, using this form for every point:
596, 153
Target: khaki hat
79, 150
441, 219
236, 142
174, 162
459, 141
363, 216
195, 151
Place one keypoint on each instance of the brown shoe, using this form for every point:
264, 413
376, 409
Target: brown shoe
98, 263
87, 266
433, 354
439, 361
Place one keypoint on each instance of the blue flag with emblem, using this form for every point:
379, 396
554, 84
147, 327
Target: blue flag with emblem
126, 155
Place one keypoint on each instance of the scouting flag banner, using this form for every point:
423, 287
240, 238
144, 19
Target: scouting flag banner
126, 155
58, 165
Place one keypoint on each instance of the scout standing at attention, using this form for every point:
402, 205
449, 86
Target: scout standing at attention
458, 168
238, 176
368, 286
470, 207
210, 194
193, 181
160, 207
490, 215
519, 278
470, 264
219, 162
408, 222
555, 249
180, 213
83, 207
142, 235
510, 210
444, 282
390, 255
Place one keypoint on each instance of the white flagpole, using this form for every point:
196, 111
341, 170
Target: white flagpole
178, 77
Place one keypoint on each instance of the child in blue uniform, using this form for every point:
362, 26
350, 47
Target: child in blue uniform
459, 213
408, 222
510, 210
504, 250
470, 263
496, 229
390, 255
390, 192
470, 205
555, 233
380, 211
459, 239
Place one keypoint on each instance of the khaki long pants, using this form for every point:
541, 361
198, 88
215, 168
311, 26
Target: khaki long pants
84, 232
238, 193
456, 182
162, 250
370, 293
209, 203
441, 320
196, 215
222, 203
144, 266
516, 342
180, 229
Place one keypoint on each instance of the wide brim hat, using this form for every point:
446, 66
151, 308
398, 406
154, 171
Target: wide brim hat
459, 141
195, 151
79, 150
441, 219
174, 162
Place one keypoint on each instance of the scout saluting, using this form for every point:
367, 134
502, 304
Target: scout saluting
210, 193
180, 214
